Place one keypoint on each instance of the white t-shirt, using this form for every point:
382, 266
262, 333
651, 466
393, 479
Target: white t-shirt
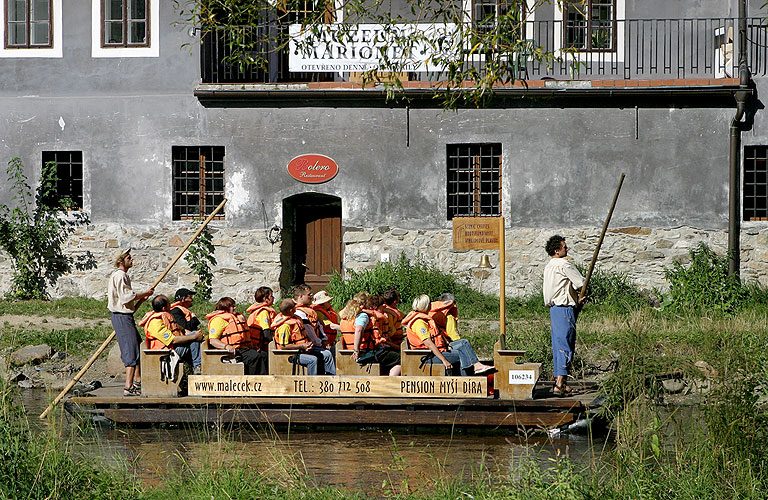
561, 282
119, 293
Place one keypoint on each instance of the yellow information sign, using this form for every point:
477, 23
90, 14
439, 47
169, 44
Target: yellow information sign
334, 386
476, 233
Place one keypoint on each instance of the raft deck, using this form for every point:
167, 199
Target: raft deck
544, 410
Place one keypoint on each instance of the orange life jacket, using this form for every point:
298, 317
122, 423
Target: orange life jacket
297, 335
440, 310
434, 333
236, 332
167, 319
396, 334
188, 315
380, 322
255, 330
330, 314
348, 335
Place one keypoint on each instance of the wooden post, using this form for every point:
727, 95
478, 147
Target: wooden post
502, 286
111, 337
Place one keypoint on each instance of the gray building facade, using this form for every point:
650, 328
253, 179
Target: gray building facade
141, 112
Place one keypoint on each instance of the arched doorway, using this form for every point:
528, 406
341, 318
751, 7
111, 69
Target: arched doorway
311, 249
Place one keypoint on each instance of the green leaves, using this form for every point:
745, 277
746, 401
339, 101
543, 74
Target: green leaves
200, 257
34, 234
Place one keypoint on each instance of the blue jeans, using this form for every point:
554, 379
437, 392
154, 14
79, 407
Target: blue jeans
563, 321
310, 361
461, 352
192, 350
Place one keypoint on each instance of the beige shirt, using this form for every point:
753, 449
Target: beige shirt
120, 294
561, 282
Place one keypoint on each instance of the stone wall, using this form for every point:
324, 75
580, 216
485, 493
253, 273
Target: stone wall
246, 260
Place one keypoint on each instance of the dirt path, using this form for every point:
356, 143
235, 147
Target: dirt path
42, 323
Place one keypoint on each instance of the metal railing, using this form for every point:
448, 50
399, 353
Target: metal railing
629, 49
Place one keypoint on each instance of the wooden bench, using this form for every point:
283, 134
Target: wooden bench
514, 380
410, 360
345, 365
279, 364
151, 385
217, 362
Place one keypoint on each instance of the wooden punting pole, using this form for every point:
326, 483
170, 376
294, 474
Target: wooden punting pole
111, 337
600, 241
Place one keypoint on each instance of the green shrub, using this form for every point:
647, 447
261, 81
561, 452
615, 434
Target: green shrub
704, 285
410, 279
613, 289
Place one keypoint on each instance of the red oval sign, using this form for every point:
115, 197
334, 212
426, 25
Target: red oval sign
313, 169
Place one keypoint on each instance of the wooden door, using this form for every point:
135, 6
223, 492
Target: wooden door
322, 230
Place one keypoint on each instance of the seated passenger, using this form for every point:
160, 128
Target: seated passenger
327, 317
392, 299
162, 332
357, 332
423, 333
445, 312
261, 315
290, 333
227, 330
302, 298
187, 320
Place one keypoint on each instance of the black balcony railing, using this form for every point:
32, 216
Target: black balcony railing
630, 49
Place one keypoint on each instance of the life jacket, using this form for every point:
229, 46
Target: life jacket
396, 334
255, 330
236, 332
167, 319
348, 335
297, 335
434, 333
331, 316
188, 315
440, 310
380, 322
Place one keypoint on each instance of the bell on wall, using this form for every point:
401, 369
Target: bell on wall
485, 262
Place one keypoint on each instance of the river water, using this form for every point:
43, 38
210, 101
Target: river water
355, 459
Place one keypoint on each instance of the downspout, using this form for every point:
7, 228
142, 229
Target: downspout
741, 95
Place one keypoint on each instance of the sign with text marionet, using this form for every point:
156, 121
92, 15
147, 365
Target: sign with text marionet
362, 47
334, 386
476, 233
313, 169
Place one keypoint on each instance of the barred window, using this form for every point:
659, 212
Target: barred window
503, 17
69, 171
590, 25
198, 181
474, 180
755, 189
28, 23
124, 23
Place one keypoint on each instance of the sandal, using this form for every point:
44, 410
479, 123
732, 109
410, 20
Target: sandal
561, 392
137, 386
131, 391
486, 371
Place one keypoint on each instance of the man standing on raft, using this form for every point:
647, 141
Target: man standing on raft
562, 282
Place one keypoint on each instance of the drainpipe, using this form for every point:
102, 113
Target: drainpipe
741, 95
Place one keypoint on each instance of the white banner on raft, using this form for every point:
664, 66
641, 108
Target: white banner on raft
335, 386
362, 47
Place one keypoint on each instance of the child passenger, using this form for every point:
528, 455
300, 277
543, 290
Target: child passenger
227, 330
261, 315
358, 333
290, 333
327, 317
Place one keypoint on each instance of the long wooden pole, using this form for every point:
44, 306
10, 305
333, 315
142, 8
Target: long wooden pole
111, 337
502, 286
600, 241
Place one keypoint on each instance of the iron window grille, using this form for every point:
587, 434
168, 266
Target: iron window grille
69, 173
590, 25
28, 24
755, 189
198, 181
125, 23
474, 180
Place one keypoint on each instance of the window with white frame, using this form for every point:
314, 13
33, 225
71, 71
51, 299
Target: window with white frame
30, 28
590, 25
125, 28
